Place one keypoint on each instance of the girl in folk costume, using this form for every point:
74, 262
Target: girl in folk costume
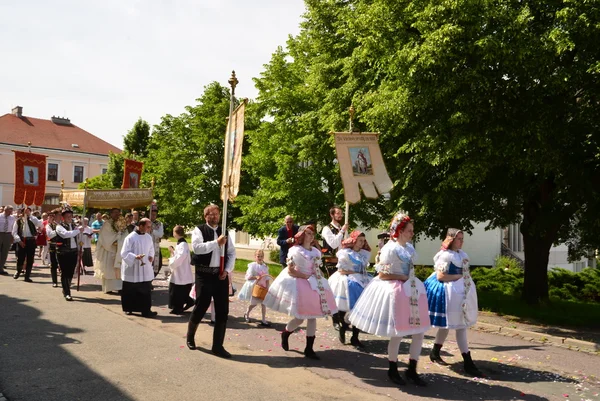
452, 298
181, 278
350, 279
395, 302
257, 274
301, 291
85, 239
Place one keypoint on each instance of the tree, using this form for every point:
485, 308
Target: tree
489, 111
113, 178
291, 153
136, 140
185, 156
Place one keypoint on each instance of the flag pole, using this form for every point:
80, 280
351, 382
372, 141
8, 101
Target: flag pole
233, 81
352, 111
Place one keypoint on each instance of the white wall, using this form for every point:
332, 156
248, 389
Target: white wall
483, 247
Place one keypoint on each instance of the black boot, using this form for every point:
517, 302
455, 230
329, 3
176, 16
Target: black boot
412, 375
435, 355
191, 333
219, 339
470, 367
354, 339
285, 335
308, 351
336, 321
393, 374
343, 327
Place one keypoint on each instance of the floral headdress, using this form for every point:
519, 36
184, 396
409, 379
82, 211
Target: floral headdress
351, 241
398, 223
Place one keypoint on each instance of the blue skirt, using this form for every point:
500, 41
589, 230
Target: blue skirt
436, 300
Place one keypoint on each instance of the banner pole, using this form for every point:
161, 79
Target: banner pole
233, 81
351, 111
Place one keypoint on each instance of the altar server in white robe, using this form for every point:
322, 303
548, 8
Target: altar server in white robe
137, 272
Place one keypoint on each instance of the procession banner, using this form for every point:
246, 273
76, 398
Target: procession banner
108, 198
361, 164
235, 132
132, 172
30, 178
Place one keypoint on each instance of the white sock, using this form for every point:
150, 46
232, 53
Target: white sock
293, 325
415, 346
311, 327
394, 348
461, 339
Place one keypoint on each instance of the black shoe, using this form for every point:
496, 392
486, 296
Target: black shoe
191, 333
68, 298
16, 275
222, 353
149, 314
435, 357
28, 280
264, 324
176, 312
393, 374
128, 313
412, 375
54, 285
4, 273
354, 341
470, 367
342, 333
211, 323
285, 336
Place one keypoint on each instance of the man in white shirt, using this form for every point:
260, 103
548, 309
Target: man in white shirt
211, 282
333, 234
137, 272
24, 232
67, 247
7, 221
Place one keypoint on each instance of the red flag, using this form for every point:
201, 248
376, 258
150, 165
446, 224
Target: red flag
30, 178
132, 172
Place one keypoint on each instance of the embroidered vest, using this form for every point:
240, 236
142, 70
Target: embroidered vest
64, 244
20, 225
202, 262
335, 231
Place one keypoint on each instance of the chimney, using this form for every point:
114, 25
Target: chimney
61, 120
17, 111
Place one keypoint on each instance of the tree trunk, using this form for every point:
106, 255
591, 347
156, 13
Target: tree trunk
541, 222
537, 251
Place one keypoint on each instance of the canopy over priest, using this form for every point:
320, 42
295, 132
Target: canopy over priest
137, 272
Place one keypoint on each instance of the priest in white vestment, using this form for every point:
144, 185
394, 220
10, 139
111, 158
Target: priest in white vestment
137, 271
108, 252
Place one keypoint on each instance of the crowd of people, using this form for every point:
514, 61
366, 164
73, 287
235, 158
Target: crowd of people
394, 303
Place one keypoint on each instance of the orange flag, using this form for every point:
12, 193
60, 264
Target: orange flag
132, 172
30, 178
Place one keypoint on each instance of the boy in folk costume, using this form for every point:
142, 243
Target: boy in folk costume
257, 273
395, 303
452, 298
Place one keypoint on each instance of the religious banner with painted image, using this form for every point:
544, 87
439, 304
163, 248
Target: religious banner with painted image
30, 178
132, 172
235, 133
361, 165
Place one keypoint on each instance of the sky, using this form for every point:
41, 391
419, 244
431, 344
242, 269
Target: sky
104, 64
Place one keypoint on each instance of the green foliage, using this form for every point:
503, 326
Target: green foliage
274, 255
136, 140
423, 272
498, 279
113, 178
569, 286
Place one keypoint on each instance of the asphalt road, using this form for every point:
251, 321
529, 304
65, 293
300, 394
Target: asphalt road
51, 349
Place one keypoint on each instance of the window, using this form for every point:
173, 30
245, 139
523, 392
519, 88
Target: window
52, 171
78, 174
51, 199
104, 170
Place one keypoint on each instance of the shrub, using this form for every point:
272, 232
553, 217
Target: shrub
274, 255
422, 272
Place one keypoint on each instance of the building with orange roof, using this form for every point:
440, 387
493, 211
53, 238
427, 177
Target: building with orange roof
73, 153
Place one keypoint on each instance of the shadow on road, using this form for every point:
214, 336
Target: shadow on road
35, 366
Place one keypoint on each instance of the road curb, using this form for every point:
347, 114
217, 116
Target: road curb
542, 338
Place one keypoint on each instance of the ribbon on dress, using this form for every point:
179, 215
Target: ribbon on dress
414, 320
468, 282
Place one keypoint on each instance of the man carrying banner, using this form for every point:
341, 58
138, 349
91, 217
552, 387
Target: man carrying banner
24, 232
210, 282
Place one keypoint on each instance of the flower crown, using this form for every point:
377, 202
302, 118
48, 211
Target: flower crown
399, 221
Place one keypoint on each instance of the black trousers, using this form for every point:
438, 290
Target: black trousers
53, 265
67, 262
26, 254
209, 287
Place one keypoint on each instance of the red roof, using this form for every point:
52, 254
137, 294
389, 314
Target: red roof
50, 135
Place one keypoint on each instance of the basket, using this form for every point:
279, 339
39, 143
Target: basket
258, 291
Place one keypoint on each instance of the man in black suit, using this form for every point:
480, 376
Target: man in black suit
285, 238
